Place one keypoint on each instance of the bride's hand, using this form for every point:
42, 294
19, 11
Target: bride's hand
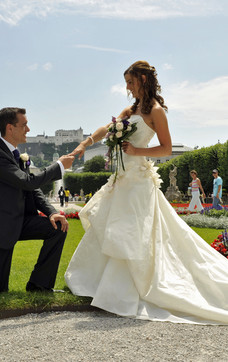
80, 150
128, 148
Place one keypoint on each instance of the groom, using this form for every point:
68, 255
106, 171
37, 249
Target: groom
19, 201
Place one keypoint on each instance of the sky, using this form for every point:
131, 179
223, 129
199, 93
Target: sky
63, 60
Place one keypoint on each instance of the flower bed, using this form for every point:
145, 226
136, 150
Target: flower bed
221, 244
203, 221
68, 214
182, 208
208, 218
212, 212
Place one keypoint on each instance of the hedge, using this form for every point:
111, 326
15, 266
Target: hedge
203, 161
88, 181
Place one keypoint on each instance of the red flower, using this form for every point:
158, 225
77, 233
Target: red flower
218, 245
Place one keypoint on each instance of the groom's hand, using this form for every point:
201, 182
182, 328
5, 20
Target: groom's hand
67, 160
57, 217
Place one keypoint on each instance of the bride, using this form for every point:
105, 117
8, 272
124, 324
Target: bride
138, 258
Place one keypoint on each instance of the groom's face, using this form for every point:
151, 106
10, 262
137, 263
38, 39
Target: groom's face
20, 129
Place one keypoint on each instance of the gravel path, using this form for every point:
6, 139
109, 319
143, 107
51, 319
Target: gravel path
100, 336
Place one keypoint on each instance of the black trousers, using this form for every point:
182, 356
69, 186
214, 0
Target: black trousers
44, 272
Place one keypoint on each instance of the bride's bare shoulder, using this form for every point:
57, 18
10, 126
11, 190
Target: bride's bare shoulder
157, 109
157, 113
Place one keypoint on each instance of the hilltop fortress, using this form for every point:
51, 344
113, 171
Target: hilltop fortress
44, 146
61, 136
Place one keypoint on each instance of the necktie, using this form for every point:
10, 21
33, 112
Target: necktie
16, 154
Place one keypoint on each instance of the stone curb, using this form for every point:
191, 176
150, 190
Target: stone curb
67, 308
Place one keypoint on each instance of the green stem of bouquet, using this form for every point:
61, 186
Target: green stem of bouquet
121, 155
111, 157
117, 163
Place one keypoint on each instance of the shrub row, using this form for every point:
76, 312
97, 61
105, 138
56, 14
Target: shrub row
203, 161
88, 181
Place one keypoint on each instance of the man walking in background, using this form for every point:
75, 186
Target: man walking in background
217, 190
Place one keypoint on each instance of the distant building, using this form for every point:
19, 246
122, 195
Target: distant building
61, 136
36, 146
177, 150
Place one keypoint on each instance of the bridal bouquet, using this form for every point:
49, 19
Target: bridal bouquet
120, 130
221, 244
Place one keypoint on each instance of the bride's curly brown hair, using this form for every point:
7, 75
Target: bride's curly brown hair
151, 88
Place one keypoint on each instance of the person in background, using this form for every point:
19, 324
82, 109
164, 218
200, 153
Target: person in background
61, 194
195, 185
217, 190
67, 194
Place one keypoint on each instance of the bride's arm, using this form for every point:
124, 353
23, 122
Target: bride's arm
90, 140
96, 136
160, 125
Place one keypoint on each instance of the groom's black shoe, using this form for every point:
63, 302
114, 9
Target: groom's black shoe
31, 287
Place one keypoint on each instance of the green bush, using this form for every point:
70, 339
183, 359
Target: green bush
47, 188
96, 164
203, 161
217, 213
88, 181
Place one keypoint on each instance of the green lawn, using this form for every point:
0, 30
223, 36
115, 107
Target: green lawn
207, 234
24, 258
26, 254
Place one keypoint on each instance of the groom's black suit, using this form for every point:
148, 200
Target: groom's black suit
20, 198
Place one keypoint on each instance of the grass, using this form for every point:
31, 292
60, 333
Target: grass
207, 234
24, 258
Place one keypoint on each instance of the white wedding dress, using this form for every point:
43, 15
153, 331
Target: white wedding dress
139, 259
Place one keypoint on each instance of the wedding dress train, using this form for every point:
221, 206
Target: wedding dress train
139, 259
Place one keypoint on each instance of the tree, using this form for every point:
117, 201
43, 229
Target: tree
38, 162
96, 164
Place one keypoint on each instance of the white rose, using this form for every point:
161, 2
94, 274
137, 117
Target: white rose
24, 157
119, 126
111, 137
129, 128
119, 134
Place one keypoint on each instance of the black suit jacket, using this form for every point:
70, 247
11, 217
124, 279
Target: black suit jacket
20, 195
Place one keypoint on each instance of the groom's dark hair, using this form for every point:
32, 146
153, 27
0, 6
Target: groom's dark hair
9, 115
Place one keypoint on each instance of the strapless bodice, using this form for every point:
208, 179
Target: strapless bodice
140, 138
143, 134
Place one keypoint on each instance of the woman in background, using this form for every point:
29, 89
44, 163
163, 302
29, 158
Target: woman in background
195, 185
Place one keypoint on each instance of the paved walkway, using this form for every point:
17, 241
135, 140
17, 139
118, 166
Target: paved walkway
96, 336
99, 336
71, 206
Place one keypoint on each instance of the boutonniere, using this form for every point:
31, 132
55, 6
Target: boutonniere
25, 158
